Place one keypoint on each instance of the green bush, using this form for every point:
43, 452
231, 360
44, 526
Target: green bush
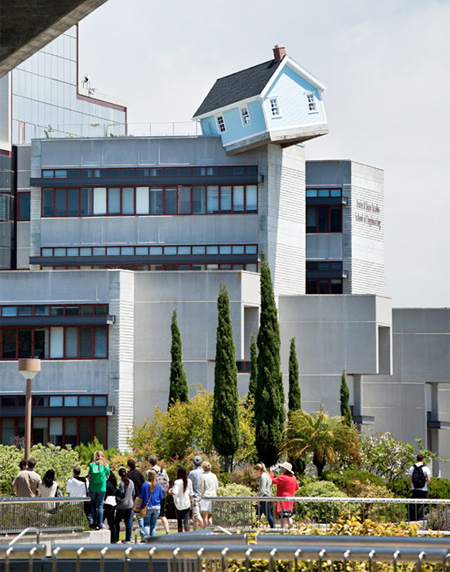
439, 488
401, 488
343, 479
320, 489
61, 460
86, 452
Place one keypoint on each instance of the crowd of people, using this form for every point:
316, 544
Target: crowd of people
113, 500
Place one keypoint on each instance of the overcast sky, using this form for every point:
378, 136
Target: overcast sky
386, 65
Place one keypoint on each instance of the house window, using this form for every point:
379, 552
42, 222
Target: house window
24, 206
324, 218
324, 286
274, 107
311, 100
245, 116
221, 123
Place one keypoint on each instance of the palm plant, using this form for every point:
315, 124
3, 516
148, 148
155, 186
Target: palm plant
326, 438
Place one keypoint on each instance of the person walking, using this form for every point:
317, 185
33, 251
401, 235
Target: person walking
419, 477
162, 480
286, 486
78, 486
110, 506
182, 495
98, 473
264, 490
194, 476
208, 488
152, 496
136, 476
125, 505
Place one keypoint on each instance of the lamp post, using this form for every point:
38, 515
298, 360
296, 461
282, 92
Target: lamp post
29, 368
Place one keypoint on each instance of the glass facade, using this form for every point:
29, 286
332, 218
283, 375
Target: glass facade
6, 211
45, 99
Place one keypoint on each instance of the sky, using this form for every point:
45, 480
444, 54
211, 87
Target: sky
386, 65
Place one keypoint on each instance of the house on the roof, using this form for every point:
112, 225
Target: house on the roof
274, 102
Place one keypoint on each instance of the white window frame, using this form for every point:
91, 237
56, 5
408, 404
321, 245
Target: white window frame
311, 101
274, 107
245, 116
220, 120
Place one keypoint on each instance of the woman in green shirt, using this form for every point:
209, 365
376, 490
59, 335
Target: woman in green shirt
98, 474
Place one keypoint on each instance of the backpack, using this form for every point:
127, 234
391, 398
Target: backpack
163, 481
418, 477
97, 473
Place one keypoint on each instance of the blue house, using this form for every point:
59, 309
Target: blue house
277, 101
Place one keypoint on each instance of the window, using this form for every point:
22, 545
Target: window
24, 206
311, 101
245, 116
274, 108
324, 286
221, 124
324, 218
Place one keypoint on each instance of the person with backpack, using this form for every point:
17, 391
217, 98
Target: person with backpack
98, 473
419, 476
163, 481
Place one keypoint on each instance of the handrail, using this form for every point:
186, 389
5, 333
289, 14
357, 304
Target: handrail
38, 500
342, 500
24, 531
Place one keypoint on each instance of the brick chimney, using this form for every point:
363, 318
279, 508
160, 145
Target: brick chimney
279, 52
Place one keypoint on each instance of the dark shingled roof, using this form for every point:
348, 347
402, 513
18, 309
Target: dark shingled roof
238, 86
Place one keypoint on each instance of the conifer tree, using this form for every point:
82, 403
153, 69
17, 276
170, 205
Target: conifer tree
294, 399
346, 412
269, 396
178, 390
253, 368
225, 424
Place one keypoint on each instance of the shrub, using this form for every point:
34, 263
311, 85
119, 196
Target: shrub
439, 489
246, 477
342, 479
401, 488
86, 452
234, 490
319, 489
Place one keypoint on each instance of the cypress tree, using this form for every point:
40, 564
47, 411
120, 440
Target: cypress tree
225, 424
253, 368
346, 412
269, 396
178, 390
294, 399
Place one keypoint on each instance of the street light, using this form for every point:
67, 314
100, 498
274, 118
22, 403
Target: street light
29, 368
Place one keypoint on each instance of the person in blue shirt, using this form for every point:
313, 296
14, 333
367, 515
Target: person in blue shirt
151, 494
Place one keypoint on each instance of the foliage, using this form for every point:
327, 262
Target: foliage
438, 519
86, 451
326, 438
235, 490
245, 476
186, 430
253, 368
353, 526
269, 396
386, 456
61, 460
401, 488
225, 424
439, 489
320, 489
346, 412
294, 398
368, 490
345, 478
178, 390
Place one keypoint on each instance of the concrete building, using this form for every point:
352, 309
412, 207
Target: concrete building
121, 231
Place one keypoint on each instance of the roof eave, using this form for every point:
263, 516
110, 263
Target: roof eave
299, 69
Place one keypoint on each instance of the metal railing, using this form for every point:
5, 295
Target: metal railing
46, 514
242, 512
321, 553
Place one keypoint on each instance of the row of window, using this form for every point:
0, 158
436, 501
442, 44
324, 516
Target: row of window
323, 265
249, 267
100, 201
235, 170
55, 310
321, 218
68, 342
59, 431
55, 400
323, 193
222, 249
324, 286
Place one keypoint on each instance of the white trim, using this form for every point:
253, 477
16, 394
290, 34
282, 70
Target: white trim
221, 110
276, 107
246, 120
313, 102
219, 126
298, 69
